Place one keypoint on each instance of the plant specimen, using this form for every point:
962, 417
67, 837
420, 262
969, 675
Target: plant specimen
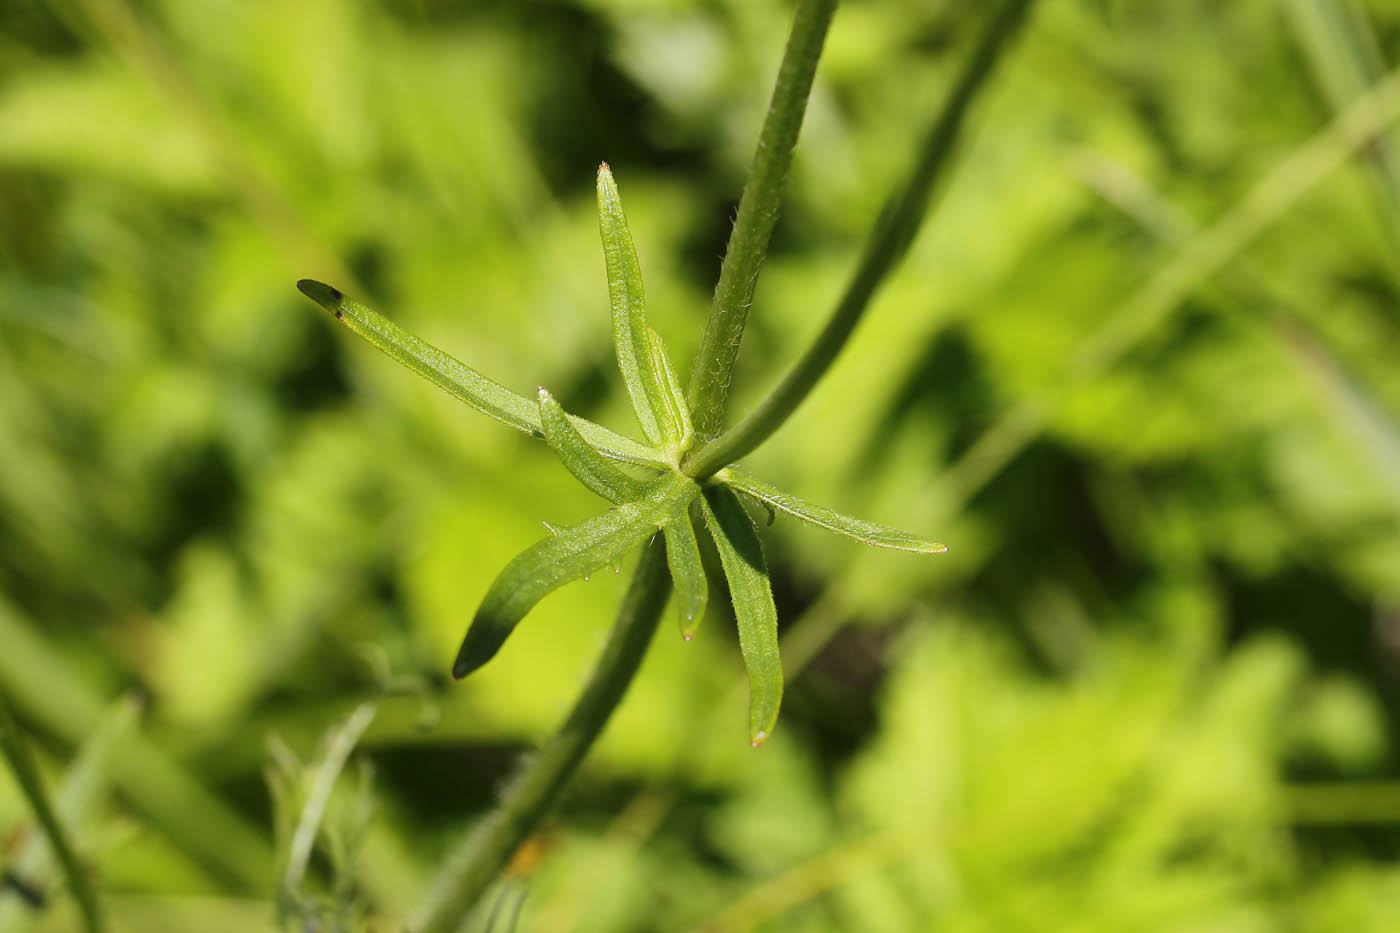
681, 481
670, 498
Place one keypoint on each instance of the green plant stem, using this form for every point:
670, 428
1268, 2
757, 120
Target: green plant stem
887, 244
16, 752
461, 883
758, 212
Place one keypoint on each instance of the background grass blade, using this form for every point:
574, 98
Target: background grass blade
572, 552
26, 772
741, 553
51, 693
1340, 46
1202, 257
86, 783
1249, 294
458, 379
871, 533
588, 466
650, 380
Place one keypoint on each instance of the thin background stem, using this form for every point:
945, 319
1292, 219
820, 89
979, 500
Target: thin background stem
486, 851
758, 212
342, 744
21, 761
889, 241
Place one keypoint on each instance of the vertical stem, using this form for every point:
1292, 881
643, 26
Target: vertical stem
899, 221
345, 738
758, 212
16, 752
467, 875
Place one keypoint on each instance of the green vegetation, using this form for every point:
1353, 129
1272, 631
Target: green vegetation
1104, 300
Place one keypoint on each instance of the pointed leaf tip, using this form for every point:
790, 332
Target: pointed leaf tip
459, 379
741, 555
572, 552
687, 571
648, 374
321, 293
873, 534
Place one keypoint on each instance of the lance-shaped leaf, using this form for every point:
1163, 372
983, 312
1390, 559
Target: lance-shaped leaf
460, 380
687, 571
871, 533
580, 458
651, 381
568, 554
741, 554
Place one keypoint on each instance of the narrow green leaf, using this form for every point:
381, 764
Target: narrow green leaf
742, 556
460, 380
871, 533
648, 374
570, 553
687, 571
587, 465
676, 403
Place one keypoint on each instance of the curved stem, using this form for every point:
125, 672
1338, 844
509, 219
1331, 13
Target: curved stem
17, 753
467, 875
888, 242
758, 212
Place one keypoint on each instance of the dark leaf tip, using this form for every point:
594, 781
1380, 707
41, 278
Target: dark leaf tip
323, 294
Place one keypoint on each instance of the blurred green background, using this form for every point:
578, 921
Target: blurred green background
1140, 379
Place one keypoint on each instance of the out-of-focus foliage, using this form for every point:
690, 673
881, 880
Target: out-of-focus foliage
1153, 685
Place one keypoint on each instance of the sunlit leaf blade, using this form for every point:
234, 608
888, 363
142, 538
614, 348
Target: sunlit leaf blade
587, 465
651, 382
460, 380
871, 533
678, 407
741, 554
568, 554
687, 571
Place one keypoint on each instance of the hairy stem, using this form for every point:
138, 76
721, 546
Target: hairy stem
467, 875
887, 244
16, 752
758, 212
